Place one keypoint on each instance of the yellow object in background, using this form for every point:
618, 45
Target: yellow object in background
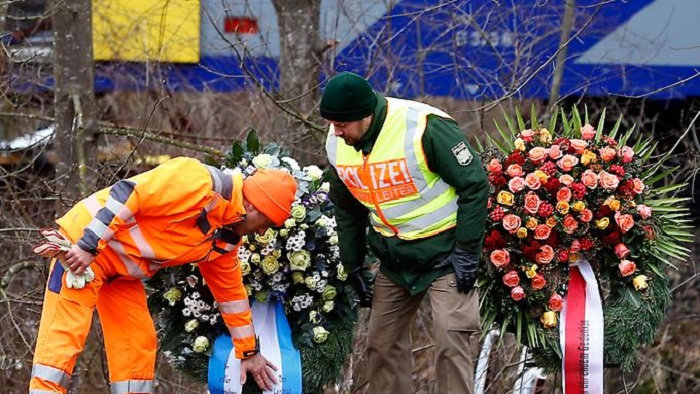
146, 30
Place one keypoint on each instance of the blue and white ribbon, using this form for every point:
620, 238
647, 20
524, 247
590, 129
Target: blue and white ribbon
272, 328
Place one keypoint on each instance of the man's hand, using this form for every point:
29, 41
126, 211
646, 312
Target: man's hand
465, 265
78, 259
364, 292
261, 369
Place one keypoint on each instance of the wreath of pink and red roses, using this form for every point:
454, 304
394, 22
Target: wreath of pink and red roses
558, 198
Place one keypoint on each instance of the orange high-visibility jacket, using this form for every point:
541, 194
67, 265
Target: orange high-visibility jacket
171, 215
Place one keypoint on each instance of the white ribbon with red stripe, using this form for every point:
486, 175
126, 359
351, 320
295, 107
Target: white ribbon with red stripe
581, 333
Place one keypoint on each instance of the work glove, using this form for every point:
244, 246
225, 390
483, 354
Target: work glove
466, 267
362, 289
56, 246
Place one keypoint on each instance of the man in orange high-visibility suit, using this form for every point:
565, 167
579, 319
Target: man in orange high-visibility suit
178, 213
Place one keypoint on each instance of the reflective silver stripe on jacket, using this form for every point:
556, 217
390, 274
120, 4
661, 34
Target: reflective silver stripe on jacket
234, 306
222, 183
242, 332
131, 386
423, 221
42, 392
51, 374
131, 266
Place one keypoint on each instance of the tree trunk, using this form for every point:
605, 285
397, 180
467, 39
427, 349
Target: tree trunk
299, 63
74, 99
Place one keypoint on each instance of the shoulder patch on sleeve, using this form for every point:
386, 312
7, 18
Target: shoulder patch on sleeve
462, 154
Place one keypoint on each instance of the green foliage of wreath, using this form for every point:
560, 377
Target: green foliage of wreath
532, 237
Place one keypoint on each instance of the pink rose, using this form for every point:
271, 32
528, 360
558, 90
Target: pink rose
621, 251
516, 184
511, 222
625, 221
589, 179
538, 282
627, 154
511, 279
608, 180
627, 267
587, 132
517, 293
494, 166
527, 135
542, 232
566, 179
607, 153
570, 224
532, 202
515, 170
533, 181
545, 255
638, 185
643, 211
556, 302
567, 162
537, 154
586, 215
564, 194
578, 145
554, 152
500, 257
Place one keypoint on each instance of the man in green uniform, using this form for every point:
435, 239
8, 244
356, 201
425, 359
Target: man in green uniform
405, 170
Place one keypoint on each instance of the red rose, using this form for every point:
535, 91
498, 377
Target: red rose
586, 244
627, 267
621, 251
563, 256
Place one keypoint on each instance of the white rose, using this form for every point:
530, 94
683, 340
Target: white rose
191, 325
293, 164
313, 172
290, 223
325, 187
322, 221
320, 334
333, 240
262, 160
200, 344
328, 306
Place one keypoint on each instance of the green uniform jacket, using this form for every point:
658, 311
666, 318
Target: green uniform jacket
411, 264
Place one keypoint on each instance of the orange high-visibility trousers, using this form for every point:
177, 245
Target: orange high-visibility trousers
129, 333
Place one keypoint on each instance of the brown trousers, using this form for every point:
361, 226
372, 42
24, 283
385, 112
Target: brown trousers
455, 318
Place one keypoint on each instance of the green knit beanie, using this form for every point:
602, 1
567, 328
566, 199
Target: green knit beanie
348, 97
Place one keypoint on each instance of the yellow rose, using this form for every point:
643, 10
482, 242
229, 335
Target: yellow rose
298, 277
284, 233
320, 334
545, 136
640, 282
521, 233
613, 204
277, 253
603, 223
532, 271
563, 207
505, 198
573, 257
541, 175
588, 157
269, 265
255, 257
311, 282
578, 206
551, 222
549, 319
290, 223
200, 344
531, 223
519, 144
314, 317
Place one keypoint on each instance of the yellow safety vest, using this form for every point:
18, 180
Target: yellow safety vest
394, 182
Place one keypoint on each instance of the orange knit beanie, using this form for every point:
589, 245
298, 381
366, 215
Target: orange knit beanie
271, 192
